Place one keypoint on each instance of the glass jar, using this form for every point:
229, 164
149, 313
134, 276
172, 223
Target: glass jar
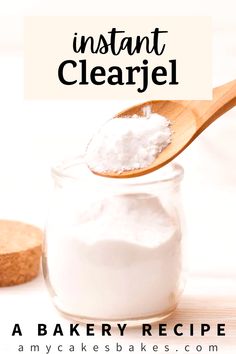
113, 247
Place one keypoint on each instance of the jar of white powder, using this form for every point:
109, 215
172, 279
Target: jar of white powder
113, 249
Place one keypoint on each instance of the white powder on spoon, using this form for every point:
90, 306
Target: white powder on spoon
130, 143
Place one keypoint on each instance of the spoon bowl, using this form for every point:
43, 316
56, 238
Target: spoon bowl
187, 120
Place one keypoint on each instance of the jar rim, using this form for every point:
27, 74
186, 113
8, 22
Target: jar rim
70, 170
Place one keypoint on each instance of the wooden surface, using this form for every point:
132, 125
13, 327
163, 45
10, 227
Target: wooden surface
206, 299
209, 300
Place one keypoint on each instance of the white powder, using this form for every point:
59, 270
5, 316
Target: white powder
118, 259
128, 143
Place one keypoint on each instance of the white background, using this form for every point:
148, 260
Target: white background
35, 134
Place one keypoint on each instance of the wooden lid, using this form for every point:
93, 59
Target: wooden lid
20, 252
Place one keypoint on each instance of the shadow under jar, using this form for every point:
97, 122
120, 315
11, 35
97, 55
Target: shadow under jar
113, 247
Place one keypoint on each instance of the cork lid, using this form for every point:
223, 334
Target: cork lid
20, 252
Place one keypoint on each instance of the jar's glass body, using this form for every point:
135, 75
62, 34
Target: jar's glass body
113, 247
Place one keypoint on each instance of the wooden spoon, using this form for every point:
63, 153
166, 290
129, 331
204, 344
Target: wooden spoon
188, 119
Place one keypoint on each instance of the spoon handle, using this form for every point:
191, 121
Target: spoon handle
224, 98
